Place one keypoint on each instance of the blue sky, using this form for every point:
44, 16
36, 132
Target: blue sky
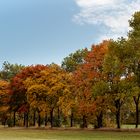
46, 31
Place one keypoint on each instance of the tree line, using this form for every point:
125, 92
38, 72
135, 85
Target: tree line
99, 86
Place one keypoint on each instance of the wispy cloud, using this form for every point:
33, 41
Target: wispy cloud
113, 14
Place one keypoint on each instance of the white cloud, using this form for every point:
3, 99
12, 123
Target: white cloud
90, 3
113, 14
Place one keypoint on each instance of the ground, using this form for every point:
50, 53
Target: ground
61, 134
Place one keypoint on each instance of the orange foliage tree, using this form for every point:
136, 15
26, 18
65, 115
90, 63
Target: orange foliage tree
85, 78
18, 102
4, 100
45, 92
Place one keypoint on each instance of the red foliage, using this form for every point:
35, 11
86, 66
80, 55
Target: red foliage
87, 74
18, 90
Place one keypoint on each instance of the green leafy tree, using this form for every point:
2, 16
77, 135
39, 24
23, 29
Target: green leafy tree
100, 96
134, 64
9, 70
117, 75
71, 62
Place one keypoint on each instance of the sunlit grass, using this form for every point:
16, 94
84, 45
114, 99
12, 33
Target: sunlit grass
34, 134
127, 126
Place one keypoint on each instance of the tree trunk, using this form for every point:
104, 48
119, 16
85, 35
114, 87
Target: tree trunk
39, 119
118, 113
14, 119
24, 123
136, 100
51, 117
84, 121
71, 119
59, 123
118, 119
27, 118
34, 118
100, 120
58, 113
46, 119
137, 115
4, 122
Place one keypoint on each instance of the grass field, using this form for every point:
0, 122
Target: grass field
30, 134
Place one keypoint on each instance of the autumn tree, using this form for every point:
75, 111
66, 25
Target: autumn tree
18, 100
85, 78
44, 92
70, 64
55, 80
37, 99
4, 99
67, 101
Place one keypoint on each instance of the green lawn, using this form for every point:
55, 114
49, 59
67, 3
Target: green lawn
15, 134
127, 126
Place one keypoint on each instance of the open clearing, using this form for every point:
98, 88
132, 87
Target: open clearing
46, 134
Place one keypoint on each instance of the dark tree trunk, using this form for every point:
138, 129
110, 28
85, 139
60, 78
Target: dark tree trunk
4, 123
118, 113
71, 119
27, 119
136, 100
84, 121
137, 115
14, 119
118, 119
24, 123
34, 118
51, 117
5, 120
100, 120
59, 120
39, 119
58, 114
46, 119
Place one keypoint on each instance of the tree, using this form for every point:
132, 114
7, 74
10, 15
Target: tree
55, 79
4, 99
37, 98
9, 70
86, 76
71, 62
44, 92
18, 100
100, 96
134, 64
117, 75
67, 100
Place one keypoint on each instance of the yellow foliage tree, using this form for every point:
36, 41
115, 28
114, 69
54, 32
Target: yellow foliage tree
4, 99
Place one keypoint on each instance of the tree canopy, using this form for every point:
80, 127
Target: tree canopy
99, 86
